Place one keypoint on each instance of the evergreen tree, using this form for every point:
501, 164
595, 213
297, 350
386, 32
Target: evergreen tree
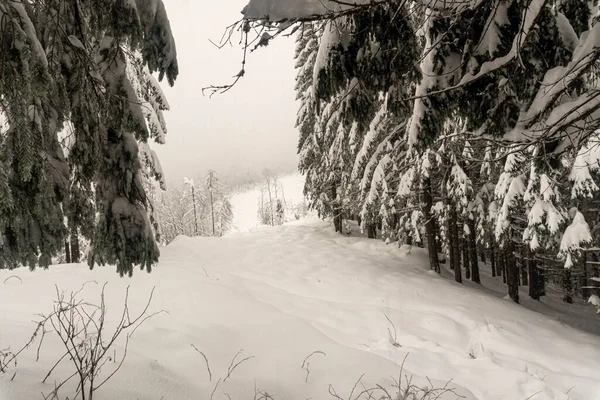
412, 106
78, 75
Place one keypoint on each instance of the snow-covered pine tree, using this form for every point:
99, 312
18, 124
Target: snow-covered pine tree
545, 216
509, 195
492, 64
224, 216
78, 74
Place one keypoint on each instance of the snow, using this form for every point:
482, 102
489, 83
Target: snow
530, 16
428, 82
281, 10
557, 79
330, 38
575, 237
586, 161
491, 39
28, 30
283, 293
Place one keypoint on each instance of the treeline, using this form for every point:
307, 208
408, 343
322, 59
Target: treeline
472, 129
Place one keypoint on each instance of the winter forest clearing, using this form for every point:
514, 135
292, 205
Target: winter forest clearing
441, 241
283, 293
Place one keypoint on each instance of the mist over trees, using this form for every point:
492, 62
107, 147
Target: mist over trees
470, 127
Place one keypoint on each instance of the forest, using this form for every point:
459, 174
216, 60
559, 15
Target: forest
446, 243
471, 127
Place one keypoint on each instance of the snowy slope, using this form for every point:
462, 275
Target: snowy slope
245, 204
282, 293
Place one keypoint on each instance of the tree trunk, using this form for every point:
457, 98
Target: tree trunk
536, 281
212, 211
473, 251
525, 256
75, 252
585, 293
482, 254
492, 259
512, 270
67, 252
567, 284
450, 242
501, 265
455, 249
465, 255
195, 213
372, 231
337, 212
430, 225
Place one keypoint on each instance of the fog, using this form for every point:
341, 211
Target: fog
243, 131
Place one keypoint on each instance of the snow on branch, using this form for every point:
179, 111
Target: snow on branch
298, 10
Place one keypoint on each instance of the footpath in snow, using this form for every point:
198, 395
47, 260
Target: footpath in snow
283, 293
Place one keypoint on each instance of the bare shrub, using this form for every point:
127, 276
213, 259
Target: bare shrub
401, 389
86, 339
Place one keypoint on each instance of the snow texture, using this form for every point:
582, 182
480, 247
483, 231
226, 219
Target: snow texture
282, 293
282, 10
279, 10
575, 237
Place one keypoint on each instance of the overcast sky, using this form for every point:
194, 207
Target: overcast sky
250, 127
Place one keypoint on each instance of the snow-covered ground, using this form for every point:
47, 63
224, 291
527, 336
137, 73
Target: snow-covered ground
245, 204
283, 293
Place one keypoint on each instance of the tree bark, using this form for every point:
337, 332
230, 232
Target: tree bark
525, 256
473, 252
67, 252
270, 202
512, 270
482, 255
450, 239
195, 213
501, 266
430, 225
567, 283
337, 212
75, 252
465, 255
492, 259
455, 249
536, 281
372, 231
212, 211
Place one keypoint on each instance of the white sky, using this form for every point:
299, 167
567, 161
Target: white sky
247, 129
